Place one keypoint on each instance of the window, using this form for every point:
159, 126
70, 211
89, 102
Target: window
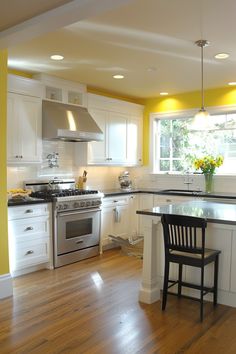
176, 144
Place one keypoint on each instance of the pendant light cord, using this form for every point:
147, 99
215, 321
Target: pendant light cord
202, 77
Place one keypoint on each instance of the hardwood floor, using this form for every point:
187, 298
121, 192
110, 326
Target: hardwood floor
92, 307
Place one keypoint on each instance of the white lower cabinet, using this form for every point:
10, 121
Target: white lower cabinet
29, 229
118, 218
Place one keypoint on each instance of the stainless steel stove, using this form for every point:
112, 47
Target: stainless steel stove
76, 218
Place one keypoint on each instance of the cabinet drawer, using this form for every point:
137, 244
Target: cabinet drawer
29, 228
113, 201
27, 211
31, 253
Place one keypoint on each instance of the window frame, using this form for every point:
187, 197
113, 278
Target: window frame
180, 114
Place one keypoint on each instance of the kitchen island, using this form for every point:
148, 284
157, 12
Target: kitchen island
221, 234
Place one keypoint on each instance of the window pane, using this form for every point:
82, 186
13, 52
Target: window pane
165, 135
178, 165
164, 165
178, 145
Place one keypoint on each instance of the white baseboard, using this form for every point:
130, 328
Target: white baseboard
6, 288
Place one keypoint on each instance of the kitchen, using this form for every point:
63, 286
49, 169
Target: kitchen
105, 177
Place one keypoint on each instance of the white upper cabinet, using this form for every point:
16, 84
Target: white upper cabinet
121, 123
24, 121
64, 91
116, 138
134, 141
97, 149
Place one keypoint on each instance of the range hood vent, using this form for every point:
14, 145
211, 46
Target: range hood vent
68, 123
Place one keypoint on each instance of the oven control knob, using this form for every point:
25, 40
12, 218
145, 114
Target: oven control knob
76, 205
65, 206
82, 204
60, 207
98, 202
88, 203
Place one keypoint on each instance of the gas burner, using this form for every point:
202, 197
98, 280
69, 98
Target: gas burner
62, 193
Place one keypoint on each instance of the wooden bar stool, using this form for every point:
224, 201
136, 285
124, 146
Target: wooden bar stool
184, 242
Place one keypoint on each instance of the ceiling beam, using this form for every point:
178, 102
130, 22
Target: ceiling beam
52, 20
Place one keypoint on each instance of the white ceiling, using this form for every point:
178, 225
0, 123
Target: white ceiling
143, 34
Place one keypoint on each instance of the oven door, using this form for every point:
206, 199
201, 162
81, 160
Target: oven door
76, 230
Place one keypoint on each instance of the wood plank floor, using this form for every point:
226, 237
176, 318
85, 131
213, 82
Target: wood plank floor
92, 307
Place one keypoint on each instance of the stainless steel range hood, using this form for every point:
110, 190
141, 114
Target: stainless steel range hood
69, 123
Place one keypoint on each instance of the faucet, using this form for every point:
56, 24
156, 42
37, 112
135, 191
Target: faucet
188, 179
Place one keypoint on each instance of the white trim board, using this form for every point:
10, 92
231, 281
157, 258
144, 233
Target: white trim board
58, 17
6, 288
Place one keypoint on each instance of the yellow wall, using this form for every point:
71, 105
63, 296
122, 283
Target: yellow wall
20, 73
213, 97
4, 263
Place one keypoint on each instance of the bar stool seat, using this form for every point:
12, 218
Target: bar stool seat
184, 242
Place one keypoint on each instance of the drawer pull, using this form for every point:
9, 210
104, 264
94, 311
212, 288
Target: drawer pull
29, 211
77, 242
168, 200
29, 252
29, 228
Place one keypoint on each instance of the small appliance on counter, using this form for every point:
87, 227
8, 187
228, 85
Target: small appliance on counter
125, 181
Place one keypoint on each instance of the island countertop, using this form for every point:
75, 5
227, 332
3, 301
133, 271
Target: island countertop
222, 213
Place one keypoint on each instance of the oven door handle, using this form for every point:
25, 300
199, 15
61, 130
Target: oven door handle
79, 212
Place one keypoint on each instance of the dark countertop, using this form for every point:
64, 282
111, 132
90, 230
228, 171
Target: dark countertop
26, 201
183, 193
117, 192
212, 211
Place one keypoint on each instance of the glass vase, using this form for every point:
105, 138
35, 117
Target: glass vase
208, 182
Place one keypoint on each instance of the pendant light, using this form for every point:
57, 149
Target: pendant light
201, 120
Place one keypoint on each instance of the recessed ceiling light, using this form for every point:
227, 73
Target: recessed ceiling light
164, 93
118, 76
233, 83
56, 57
222, 56
152, 68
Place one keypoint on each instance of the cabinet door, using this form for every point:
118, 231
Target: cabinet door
133, 217
13, 144
107, 225
121, 221
24, 128
134, 142
97, 149
116, 138
30, 128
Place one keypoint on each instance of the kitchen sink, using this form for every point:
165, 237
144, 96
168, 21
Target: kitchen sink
181, 192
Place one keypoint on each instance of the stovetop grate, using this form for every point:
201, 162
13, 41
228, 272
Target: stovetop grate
50, 194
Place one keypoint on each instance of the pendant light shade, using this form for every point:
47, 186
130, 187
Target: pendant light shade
201, 119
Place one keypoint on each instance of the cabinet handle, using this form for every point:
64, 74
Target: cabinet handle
77, 242
21, 156
107, 159
140, 160
29, 211
110, 158
168, 200
115, 201
29, 228
16, 156
29, 252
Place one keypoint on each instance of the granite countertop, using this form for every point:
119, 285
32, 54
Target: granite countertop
221, 213
26, 201
176, 192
